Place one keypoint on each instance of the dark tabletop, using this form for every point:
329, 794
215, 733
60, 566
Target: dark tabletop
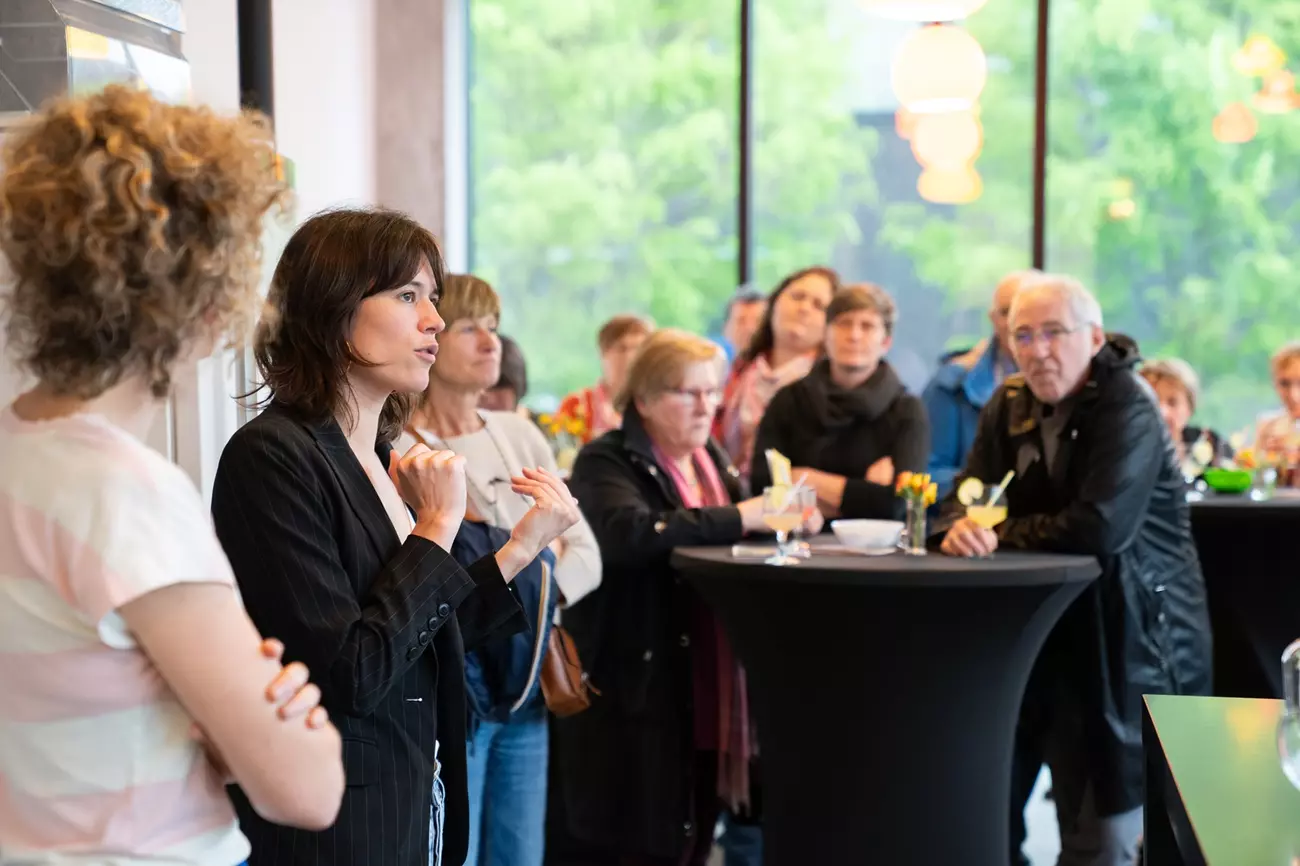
1287, 504
1222, 754
1010, 568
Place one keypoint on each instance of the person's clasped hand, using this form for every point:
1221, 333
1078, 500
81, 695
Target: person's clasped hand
968, 538
553, 512
433, 484
881, 472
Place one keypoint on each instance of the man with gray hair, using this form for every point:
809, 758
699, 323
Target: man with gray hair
1095, 474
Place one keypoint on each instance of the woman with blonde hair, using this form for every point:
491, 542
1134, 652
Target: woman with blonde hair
1279, 431
641, 775
508, 731
132, 232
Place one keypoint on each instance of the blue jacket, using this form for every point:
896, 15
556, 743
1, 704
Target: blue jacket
503, 675
953, 400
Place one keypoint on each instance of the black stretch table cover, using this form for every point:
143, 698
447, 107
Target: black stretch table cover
1250, 554
886, 691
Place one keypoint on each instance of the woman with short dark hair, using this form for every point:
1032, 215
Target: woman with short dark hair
849, 425
341, 546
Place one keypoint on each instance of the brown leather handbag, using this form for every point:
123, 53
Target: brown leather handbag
564, 684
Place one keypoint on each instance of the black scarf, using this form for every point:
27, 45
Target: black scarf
836, 408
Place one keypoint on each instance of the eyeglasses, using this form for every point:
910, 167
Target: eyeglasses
708, 395
1025, 338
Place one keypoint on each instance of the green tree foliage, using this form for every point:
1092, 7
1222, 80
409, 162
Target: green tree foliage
1205, 266
604, 162
605, 177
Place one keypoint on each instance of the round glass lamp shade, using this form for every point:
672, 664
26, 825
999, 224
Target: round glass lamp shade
922, 11
949, 141
1278, 94
950, 186
1259, 57
939, 68
1236, 124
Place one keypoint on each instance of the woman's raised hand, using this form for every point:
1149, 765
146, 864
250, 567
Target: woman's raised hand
433, 484
554, 509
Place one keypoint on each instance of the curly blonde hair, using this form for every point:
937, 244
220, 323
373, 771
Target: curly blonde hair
133, 232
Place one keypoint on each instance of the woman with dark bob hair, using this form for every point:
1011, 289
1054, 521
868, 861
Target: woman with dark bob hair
341, 546
131, 231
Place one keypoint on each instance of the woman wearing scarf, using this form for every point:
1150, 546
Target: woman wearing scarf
641, 773
783, 351
849, 424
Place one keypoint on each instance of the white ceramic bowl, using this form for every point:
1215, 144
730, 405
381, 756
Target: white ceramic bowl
867, 534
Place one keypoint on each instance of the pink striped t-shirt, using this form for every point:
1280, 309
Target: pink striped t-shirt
96, 762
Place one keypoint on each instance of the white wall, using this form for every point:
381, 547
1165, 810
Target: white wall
326, 122
325, 98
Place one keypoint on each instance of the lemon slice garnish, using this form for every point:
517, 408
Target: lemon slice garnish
970, 491
777, 496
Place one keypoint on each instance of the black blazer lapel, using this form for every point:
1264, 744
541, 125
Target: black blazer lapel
356, 485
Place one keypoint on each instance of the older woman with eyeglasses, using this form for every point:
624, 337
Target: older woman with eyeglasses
1177, 389
1279, 431
641, 772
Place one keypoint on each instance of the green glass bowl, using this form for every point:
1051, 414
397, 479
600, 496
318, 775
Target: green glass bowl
1228, 480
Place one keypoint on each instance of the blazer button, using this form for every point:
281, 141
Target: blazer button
688, 826
424, 636
444, 610
433, 622
685, 640
414, 653
648, 655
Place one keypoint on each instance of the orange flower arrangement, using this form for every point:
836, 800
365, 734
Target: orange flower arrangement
916, 487
568, 430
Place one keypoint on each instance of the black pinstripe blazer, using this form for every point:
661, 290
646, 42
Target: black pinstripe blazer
382, 625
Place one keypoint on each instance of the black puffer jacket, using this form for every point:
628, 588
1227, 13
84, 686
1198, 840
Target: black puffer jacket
625, 767
1142, 627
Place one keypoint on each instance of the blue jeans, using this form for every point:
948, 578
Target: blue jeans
507, 790
741, 844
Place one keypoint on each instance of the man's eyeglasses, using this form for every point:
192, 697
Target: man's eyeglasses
1025, 338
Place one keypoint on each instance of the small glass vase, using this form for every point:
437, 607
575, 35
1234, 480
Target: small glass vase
1288, 725
912, 541
1263, 484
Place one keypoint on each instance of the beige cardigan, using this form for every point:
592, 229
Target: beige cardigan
522, 445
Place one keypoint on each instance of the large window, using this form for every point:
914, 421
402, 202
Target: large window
836, 180
603, 169
605, 147
1189, 242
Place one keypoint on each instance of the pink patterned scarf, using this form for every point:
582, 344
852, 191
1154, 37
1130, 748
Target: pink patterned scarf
735, 741
747, 398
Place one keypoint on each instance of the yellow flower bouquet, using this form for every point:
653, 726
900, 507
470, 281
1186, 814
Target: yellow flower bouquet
919, 492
